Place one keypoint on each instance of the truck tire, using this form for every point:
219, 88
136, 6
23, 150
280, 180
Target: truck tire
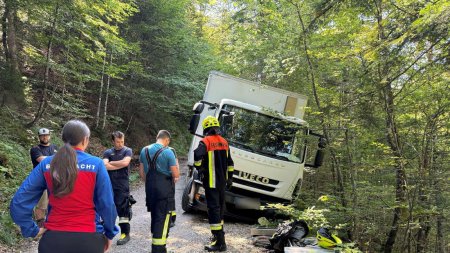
185, 203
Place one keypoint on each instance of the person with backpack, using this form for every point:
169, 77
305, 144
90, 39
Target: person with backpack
117, 161
158, 168
39, 153
212, 159
80, 194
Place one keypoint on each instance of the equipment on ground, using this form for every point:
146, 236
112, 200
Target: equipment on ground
327, 240
289, 234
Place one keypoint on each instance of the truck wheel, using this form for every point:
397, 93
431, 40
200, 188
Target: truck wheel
186, 203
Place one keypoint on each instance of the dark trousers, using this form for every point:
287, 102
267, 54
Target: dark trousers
161, 216
71, 242
215, 201
159, 199
121, 189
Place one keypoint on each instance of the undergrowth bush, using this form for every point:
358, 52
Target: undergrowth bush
15, 165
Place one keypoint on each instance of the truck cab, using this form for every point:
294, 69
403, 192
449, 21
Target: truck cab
267, 140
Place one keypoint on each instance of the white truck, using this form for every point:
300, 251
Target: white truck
267, 136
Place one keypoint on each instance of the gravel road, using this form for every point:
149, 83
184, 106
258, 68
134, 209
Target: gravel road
190, 233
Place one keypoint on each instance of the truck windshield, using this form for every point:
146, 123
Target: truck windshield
263, 134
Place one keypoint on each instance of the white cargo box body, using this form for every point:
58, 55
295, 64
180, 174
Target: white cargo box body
222, 86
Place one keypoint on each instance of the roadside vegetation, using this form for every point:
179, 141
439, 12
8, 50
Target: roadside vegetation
376, 74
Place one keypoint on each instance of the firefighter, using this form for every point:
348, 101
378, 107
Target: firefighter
117, 161
158, 168
213, 161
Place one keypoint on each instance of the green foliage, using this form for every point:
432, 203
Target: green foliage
11, 86
14, 167
9, 233
376, 74
264, 222
347, 57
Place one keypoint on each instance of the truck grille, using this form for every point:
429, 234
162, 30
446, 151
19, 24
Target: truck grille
258, 185
253, 185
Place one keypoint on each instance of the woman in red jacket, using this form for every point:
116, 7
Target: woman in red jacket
79, 192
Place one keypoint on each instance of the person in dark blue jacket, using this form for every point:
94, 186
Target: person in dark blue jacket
117, 161
80, 194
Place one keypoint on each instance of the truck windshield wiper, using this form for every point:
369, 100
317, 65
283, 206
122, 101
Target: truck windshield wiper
243, 145
275, 155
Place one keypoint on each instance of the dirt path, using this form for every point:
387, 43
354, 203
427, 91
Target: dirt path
190, 233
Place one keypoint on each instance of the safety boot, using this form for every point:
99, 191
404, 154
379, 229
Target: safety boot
124, 238
217, 242
159, 249
125, 232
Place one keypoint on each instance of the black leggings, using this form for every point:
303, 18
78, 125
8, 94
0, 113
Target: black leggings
71, 242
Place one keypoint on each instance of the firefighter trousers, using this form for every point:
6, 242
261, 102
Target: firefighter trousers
161, 216
215, 201
121, 189
160, 203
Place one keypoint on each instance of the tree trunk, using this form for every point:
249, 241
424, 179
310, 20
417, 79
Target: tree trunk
43, 101
440, 239
107, 93
335, 168
10, 50
439, 200
393, 140
9, 35
129, 122
4, 32
392, 135
353, 175
423, 199
97, 118
63, 88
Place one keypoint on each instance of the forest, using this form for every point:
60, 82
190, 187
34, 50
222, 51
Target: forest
376, 72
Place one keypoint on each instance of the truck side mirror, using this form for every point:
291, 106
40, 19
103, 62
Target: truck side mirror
227, 119
318, 160
320, 153
194, 123
198, 108
322, 142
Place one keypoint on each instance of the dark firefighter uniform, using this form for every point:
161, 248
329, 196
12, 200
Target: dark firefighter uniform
213, 161
121, 187
159, 189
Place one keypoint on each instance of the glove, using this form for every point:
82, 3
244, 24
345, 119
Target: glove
229, 184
